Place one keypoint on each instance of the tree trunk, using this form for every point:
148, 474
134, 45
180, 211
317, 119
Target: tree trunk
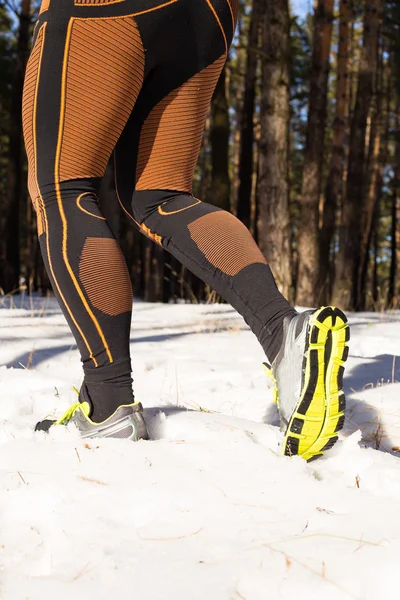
16, 178
308, 291
220, 192
203, 164
246, 154
377, 159
237, 85
273, 177
395, 215
393, 250
334, 182
375, 236
345, 293
397, 236
31, 241
353, 44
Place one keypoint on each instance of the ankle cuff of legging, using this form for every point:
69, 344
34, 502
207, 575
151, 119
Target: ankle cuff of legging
118, 368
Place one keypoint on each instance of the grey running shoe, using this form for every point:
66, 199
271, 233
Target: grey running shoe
126, 422
308, 373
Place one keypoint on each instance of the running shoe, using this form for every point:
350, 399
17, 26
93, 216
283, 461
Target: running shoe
127, 422
308, 376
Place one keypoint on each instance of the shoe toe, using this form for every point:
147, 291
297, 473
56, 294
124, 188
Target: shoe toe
44, 425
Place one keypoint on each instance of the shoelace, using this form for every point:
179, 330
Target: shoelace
270, 375
69, 413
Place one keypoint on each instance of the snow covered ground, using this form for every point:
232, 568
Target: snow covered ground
206, 510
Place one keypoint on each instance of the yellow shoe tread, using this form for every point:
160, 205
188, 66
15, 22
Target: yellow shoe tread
319, 414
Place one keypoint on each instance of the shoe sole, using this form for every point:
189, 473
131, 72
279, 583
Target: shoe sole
132, 426
319, 414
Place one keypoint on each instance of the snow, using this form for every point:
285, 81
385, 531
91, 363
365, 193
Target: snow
207, 509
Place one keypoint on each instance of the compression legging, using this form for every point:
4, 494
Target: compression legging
131, 79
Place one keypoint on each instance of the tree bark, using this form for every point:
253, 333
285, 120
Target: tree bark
393, 249
202, 185
236, 91
345, 292
273, 178
377, 159
308, 291
375, 236
334, 181
397, 236
220, 191
246, 153
16, 178
395, 215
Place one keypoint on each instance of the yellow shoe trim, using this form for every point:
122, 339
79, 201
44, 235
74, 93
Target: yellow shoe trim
85, 407
270, 375
69, 413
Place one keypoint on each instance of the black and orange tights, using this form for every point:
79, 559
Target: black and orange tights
131, 79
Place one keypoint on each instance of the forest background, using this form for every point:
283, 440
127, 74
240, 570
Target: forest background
301, 143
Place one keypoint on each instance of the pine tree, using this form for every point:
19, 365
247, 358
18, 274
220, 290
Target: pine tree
345, 292
335, 176
16, 178
273, 178
220, 189
308, 243
246, 155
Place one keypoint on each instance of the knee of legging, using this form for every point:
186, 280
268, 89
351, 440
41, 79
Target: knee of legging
150, 206
203, 230
67, 191
146, 203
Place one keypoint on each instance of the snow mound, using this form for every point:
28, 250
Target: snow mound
208, 508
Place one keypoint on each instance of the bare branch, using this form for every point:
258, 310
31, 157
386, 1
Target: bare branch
10, 5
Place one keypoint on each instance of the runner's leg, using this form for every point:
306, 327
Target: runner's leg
83, 78
212, 243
